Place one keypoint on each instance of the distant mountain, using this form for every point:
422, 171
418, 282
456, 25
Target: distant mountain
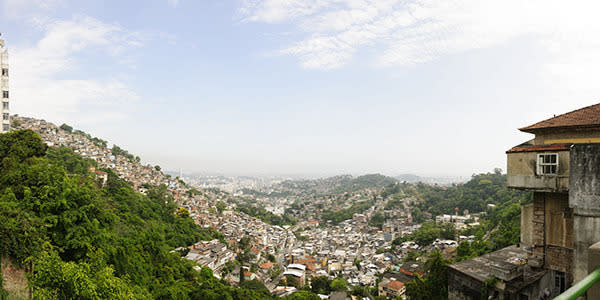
330, 185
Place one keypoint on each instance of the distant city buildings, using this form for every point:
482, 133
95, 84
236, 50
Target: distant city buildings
4, 87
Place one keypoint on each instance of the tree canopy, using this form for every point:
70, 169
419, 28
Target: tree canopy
88, 241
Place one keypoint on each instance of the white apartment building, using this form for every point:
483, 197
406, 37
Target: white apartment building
4, 87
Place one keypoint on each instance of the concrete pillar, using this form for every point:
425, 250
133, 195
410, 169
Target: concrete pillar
593, 264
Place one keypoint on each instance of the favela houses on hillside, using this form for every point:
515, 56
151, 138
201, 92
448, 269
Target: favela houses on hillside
560, 230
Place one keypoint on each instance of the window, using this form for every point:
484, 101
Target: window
5, 94
559, 282
4, 72
5, 116
5, 127
4, 105
547, 164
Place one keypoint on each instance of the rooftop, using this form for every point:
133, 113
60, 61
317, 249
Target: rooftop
481, 268
507, 264
588, 116
395, 285
539, 148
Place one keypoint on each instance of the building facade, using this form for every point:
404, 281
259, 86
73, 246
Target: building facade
561, 166
4, 88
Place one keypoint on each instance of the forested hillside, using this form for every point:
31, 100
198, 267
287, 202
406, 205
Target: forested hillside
500, 221
85, 240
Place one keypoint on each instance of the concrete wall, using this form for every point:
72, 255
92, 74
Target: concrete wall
568, 136
462, 287
522, 172
527, 225
551, 231
593, 264
584, 199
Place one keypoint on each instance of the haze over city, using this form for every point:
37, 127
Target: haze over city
304, 87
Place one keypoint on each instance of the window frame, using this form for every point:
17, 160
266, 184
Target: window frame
5, 95
540, 164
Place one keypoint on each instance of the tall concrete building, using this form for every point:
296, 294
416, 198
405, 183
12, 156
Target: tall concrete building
4, 88
561, 166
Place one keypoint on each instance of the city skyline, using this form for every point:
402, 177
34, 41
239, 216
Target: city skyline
303, 87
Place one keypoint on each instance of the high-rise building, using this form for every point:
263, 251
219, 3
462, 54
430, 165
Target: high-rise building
4, 87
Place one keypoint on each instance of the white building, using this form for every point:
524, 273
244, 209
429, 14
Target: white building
4, 87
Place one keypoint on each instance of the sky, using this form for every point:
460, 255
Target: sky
304, 87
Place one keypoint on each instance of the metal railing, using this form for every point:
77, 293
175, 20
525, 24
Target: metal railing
581, 287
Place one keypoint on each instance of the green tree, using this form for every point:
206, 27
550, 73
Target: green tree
66, 127
434, 285
338, 284
221, 206
302, 295
320, 285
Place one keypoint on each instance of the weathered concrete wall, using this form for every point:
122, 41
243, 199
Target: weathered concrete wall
461, 287
551, 231
522, 172
539, 228
559, 220
527, 225
584, 199
568, 136
593, 264
587, 232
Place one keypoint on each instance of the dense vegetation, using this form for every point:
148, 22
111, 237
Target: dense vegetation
474, 195
326, 186
338, 216
86, 241
501, 220
363, 182
434, 283
499, 223
265, 215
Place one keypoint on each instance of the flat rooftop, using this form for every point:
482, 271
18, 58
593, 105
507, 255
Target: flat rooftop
481, 268
506, 264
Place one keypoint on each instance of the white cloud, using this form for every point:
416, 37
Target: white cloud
173, 3
46, 78
410, 32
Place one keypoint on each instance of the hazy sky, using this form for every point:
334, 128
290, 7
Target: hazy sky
304, 86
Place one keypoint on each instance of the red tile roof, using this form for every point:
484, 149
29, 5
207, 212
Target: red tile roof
539, 148
588, 116
266, 265
395, 285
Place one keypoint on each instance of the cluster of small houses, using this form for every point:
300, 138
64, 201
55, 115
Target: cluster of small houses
460, 222
349, 249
